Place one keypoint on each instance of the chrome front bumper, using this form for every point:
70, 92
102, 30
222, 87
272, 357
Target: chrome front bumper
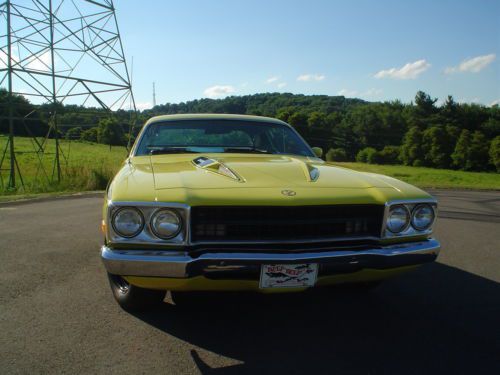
234, 265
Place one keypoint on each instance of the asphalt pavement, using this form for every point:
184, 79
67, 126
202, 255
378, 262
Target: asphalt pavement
57, 314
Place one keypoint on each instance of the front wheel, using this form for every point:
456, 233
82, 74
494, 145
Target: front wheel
133, 298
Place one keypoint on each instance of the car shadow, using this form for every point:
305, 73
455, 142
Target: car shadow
436, 320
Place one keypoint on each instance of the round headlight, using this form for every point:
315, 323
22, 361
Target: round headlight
398, 219
422, 217
166, 224
127, 222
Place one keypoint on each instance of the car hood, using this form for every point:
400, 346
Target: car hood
235, 171
198, 179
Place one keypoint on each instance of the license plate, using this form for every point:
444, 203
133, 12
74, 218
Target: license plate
288, 275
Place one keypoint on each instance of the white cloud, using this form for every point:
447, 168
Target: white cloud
409, 71
495, 102
275, 80
40, 62
218, 91
472, 65
346, 92
272, 79
144, 105
311, 77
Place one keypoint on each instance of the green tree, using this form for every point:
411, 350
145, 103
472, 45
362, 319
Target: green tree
89, 135
318, 132
411, 149
449, 111
434, 142
110, 132
424, 113
491, 127
472, 116
342, 136
316, 121
495, 153
478, 152
336, 154
283, 115
425, 105
460, 155
74, 133
366, 155
389, 155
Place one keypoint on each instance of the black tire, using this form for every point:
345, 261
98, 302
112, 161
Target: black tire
133, 298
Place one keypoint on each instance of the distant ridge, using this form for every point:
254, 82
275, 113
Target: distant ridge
265, 104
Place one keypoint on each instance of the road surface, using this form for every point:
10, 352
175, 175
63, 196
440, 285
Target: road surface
57, 314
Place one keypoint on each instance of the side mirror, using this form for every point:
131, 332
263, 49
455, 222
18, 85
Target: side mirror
318, 151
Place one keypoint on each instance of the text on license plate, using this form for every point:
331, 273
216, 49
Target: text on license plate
288, 275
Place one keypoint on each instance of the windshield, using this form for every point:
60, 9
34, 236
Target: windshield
219, 136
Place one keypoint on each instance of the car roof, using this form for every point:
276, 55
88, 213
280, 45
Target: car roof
213, 116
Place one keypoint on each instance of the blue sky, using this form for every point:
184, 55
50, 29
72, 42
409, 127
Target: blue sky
376, 50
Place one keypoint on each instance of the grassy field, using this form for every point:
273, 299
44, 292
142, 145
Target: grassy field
84, 166
432, 178
87, 166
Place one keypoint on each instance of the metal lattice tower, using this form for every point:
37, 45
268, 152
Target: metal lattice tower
61, 52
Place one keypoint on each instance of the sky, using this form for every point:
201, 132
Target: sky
375, 50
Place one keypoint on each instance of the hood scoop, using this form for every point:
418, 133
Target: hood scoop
215, 166
313, 173
310, 171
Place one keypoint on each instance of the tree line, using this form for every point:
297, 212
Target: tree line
450, 135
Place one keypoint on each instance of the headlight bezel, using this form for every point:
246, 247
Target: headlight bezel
154, 229
131, 208
147, 236
409, 230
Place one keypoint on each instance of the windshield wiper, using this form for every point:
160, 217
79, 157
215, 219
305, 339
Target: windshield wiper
247, 149
172, 150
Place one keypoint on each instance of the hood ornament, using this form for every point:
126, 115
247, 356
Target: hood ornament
288, 193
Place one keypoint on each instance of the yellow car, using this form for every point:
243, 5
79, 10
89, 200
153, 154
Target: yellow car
242, 203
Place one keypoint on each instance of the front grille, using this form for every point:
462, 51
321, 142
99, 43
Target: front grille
274, 223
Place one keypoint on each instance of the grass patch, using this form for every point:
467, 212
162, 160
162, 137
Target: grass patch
84, 166
432, 178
